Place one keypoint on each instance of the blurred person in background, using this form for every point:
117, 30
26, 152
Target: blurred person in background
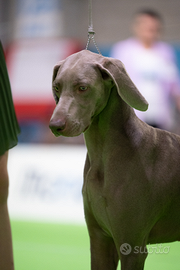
9, 129
151, 66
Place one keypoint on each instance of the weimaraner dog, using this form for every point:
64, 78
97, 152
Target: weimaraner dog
131, 187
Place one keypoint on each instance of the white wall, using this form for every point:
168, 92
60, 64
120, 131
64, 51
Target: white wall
46, 182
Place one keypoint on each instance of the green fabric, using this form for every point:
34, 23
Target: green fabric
9, 127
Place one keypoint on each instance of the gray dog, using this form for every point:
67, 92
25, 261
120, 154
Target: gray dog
131, 187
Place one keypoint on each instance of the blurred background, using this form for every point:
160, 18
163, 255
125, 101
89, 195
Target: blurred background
46, 173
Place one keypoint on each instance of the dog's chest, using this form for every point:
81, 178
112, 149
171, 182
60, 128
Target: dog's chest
93, 187
96, 196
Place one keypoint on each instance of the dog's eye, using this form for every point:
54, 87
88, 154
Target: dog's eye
56, 89
83, 88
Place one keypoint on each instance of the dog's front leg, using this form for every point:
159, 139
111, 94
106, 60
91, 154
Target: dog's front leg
104, 255
134, 260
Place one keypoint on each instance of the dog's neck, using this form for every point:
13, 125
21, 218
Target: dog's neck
104, 131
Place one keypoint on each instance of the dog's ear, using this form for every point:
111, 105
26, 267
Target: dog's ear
56, 69
55, 72
125, 87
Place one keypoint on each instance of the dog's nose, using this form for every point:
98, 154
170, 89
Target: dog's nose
57, 126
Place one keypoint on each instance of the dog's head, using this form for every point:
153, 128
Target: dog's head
81, 87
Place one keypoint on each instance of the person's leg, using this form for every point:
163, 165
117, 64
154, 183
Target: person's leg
6, 253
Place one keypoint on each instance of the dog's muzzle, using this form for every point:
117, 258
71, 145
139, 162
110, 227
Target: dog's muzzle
57, 126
